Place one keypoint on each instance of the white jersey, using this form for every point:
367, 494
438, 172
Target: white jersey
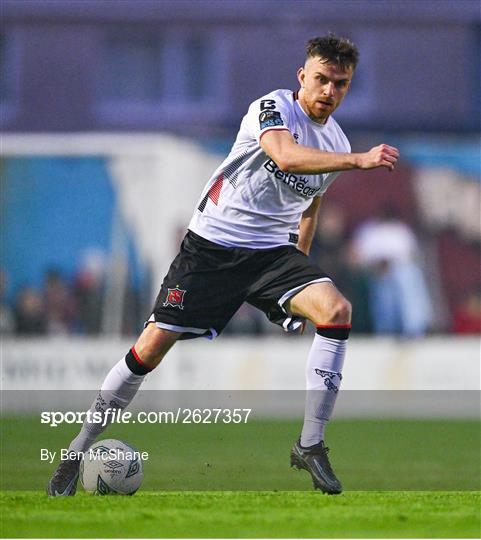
249, 201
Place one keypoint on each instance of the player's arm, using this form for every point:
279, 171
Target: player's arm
280, 146
307, 226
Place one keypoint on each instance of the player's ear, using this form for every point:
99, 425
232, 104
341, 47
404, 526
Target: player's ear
301, 75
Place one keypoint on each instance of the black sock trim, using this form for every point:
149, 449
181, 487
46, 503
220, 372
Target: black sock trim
134, 365
334, 332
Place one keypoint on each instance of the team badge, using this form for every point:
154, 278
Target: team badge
270, 119
175, 298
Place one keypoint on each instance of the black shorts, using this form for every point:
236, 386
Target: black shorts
207, 283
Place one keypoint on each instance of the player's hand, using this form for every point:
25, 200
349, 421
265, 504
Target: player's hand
379, 156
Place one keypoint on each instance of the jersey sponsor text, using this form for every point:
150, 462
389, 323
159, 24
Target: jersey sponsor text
297, 183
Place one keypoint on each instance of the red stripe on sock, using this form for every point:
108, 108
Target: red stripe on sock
137, 357
333, 326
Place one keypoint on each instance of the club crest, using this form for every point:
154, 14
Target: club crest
175, 298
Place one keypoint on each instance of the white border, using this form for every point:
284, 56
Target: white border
292, 323
295, 290
187, 329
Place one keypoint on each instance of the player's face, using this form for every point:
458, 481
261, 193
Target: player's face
323, 87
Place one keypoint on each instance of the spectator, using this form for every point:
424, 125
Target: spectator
29, 313
60, 309
89, 291
329, 241
399, 298
356, 286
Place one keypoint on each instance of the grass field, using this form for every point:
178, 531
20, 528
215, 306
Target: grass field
244, 514
402, 479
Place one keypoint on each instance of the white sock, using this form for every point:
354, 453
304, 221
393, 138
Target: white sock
117, 391
323, 380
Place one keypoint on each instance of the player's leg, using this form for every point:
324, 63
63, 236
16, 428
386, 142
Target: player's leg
186, 307
124, 380
326, 307
290, 289
117, 391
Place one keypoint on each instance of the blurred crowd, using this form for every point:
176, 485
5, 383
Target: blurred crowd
383, 270
62, 306
379, 266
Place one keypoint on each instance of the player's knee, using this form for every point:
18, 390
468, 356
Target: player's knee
340, 312
149, 355
153, 345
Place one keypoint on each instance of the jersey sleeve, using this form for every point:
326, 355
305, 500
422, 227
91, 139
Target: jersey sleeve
328, 180
267, 113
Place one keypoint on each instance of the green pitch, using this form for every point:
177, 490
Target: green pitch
244, 514
402, 479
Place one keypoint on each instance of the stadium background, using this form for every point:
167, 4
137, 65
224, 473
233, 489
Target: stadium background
114, 115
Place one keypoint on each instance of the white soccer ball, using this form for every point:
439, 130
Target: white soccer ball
111, 467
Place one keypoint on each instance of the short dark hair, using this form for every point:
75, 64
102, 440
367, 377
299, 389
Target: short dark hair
334, 49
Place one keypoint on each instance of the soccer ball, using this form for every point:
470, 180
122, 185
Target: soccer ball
111, 467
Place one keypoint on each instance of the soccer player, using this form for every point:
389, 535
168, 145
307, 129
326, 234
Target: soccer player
249, 240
